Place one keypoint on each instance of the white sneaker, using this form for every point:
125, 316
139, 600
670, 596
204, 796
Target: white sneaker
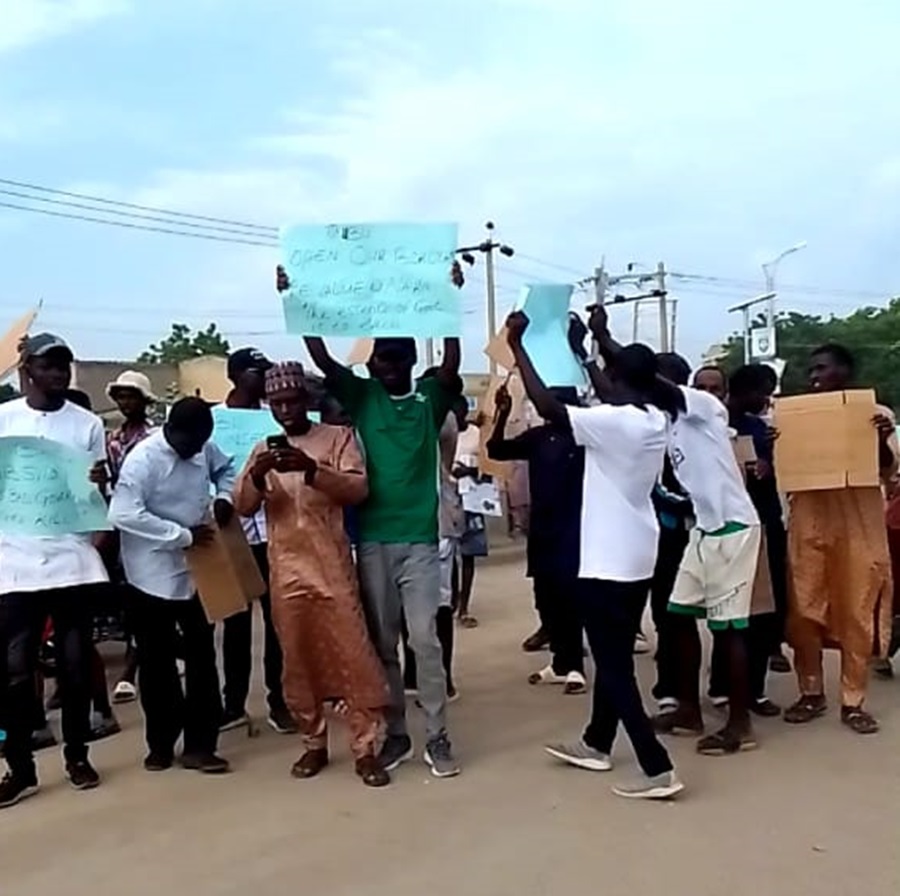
659, 787
125, 692
575, 684
546, 676
580, 755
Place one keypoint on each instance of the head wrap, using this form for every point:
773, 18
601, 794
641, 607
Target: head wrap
285, 376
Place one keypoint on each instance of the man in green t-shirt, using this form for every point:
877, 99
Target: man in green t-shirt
398, 422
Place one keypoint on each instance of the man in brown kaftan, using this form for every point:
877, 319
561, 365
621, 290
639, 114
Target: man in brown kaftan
840, 570
303, 481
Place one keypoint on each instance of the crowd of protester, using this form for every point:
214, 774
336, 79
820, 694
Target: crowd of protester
637, 498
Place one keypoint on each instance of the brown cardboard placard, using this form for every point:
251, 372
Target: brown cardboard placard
762, 598
826, 441
744, 451
514, 425
9, 344
225, 573
498, 350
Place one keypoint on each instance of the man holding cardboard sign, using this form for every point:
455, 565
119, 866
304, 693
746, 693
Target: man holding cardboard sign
161, 506
837, 543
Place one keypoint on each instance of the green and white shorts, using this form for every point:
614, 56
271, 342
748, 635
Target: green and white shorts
715, 580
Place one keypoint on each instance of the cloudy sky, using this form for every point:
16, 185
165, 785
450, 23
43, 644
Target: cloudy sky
709, 134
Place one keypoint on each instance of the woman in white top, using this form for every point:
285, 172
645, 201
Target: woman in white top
625, 442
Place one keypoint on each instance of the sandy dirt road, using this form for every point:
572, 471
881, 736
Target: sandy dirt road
814, 811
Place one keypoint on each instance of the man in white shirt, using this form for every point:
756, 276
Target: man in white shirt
716, 577
247, 369
625, 442
161, 506
48, 576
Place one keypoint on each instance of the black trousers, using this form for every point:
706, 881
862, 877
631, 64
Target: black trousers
672, 545
561, 621
611, 613
22, 619
759, 649
237, 650
169, 710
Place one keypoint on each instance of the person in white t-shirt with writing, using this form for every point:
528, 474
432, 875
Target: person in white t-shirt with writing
715, 580
43, 577
624, 440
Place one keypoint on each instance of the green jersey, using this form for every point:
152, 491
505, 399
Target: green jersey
400, 441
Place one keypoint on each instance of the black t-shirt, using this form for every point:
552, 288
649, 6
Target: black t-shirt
556, 481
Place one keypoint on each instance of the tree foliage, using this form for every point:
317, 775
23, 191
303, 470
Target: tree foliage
181, 345
871, 334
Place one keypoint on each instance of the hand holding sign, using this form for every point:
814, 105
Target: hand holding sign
370, 280
547, 335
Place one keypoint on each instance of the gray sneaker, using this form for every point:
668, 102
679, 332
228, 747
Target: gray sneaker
659, 787
396, 750
439, 756
580, 755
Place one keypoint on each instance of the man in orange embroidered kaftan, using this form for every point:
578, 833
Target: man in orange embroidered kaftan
840, 570
303, 481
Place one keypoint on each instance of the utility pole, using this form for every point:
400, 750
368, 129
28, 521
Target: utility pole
486, 248
658, 292
663, 311
600, 287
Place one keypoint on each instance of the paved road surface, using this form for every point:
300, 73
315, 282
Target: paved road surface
814, 811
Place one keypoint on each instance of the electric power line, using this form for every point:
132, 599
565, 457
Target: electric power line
158, 218
265, 236
198, 236
145, 208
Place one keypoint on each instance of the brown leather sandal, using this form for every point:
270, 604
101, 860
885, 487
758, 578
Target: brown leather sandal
372, 772
310, 764
807, 708
858, 720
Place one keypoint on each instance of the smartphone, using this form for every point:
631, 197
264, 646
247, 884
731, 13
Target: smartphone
277, 443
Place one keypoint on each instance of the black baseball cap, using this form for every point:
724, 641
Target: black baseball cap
41, 343
402, 346
245, 359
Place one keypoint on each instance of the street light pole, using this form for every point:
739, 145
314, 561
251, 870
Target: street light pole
487, 248
769, 269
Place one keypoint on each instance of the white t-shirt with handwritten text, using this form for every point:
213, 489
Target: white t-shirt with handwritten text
33, 563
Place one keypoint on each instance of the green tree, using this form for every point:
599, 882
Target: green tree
181, 344
7, 392
871, 334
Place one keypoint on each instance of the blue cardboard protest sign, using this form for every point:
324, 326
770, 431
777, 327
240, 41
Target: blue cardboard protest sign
45, 489
371, 280
238, 430
547, 338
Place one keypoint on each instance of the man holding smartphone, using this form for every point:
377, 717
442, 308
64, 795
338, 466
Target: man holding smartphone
247, 369
399, 422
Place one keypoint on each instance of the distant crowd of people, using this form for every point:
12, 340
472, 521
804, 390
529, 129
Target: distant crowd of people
358, 527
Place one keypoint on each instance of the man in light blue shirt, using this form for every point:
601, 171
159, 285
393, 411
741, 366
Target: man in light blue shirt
161, 506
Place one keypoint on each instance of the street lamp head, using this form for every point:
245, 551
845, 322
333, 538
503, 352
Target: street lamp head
508, 251
489, 225
468, 258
